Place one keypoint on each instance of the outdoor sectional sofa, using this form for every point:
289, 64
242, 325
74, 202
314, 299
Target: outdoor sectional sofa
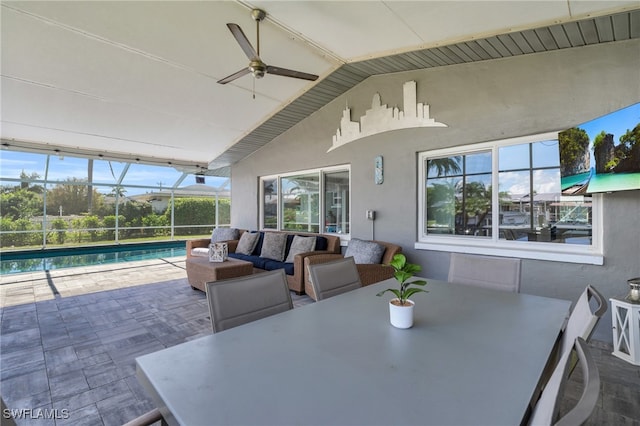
269, 250
372, 259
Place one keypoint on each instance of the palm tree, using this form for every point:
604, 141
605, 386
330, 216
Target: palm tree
445, 166
90, 188
118, 191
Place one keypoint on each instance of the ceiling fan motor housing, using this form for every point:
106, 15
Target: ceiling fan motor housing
257, 68
258, 14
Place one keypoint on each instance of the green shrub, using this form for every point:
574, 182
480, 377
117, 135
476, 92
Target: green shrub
191, 212
109, 223
91, 223
60, 225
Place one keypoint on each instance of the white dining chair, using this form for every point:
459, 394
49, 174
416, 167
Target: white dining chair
333, 278
583, 318
237, 301
547, 409
498, 273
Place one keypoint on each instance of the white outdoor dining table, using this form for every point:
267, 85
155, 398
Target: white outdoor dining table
473, 357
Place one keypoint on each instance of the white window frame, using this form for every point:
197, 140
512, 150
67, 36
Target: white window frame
494, 246
321, 172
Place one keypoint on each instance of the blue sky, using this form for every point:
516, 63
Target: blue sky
12, 164
616, 123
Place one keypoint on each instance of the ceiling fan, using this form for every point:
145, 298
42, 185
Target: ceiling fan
256, 66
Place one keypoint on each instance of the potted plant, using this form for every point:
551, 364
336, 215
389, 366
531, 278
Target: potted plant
401, 308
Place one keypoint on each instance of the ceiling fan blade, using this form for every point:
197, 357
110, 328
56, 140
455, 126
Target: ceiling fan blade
291, 73
243, 71
243, 41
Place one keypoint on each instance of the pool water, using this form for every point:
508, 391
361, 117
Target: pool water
46, 260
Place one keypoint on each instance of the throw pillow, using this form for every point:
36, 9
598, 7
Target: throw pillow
200, 252
224, 234
247, 242
299, 245
364, 251
273, 246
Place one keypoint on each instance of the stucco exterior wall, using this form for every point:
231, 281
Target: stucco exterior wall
479, 102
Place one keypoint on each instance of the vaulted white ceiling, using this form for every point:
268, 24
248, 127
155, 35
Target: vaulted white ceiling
138, 79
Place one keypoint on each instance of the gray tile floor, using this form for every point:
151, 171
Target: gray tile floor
69, 339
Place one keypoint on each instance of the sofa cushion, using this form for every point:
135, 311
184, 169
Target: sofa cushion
258, 248
288, 246
273, 246
321, 243
299, 245
270, 265
224, 234
258, 262
364, 251
247, 242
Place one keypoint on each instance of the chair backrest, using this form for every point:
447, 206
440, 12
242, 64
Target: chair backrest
546, 410
237, 301
498, 273
333, 278
583, 319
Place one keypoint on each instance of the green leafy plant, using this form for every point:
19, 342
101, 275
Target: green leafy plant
403, 272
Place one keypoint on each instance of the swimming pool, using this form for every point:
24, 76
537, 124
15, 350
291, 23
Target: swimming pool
49, 259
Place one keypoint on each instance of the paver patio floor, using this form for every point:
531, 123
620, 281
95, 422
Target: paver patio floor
69, 339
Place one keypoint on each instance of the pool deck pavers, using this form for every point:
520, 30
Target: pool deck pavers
18, 289
69, 339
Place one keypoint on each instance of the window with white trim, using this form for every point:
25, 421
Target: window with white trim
528, 216
310, 201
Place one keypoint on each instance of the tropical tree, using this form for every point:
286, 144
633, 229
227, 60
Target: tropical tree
118, 191
574, 142
25, 182
72, 196
628, 151
441, 204
21, 203
90, 187
444, 166
475, 203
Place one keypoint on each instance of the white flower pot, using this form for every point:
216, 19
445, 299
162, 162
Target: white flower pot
401, 316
